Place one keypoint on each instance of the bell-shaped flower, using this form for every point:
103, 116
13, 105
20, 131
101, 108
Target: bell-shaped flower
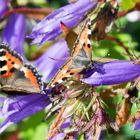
49, 28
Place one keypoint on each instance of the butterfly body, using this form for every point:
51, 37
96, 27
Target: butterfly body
17, 76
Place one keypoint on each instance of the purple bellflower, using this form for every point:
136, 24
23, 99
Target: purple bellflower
14, 32
3, 7
114, 72
49, 28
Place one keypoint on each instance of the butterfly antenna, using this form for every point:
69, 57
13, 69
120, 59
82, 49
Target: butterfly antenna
104, 58
59, 59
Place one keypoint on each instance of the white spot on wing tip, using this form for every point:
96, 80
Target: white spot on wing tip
23, 68
2, 50
89, 32
2, 58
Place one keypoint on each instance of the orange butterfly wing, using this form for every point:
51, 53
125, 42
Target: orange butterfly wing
82, 44
15, 75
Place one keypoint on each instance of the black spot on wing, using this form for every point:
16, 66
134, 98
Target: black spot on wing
12, 70
88, 45
84, 44
71, 73
64, 78
3, 72
89, 26
3, 63
12, 62
2, 53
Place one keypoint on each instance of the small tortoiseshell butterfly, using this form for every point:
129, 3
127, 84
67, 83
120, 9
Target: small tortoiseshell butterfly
80, 58
17, 76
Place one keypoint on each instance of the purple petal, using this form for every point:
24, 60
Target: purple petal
76, 135
88, 136
48, 66
17, 108
114, 72
101, 135
137, 125
2, 100
14, 32
49, 28
66, 124
59, 136
3, 7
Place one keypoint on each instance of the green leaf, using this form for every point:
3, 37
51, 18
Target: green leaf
127, 4
34, 128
